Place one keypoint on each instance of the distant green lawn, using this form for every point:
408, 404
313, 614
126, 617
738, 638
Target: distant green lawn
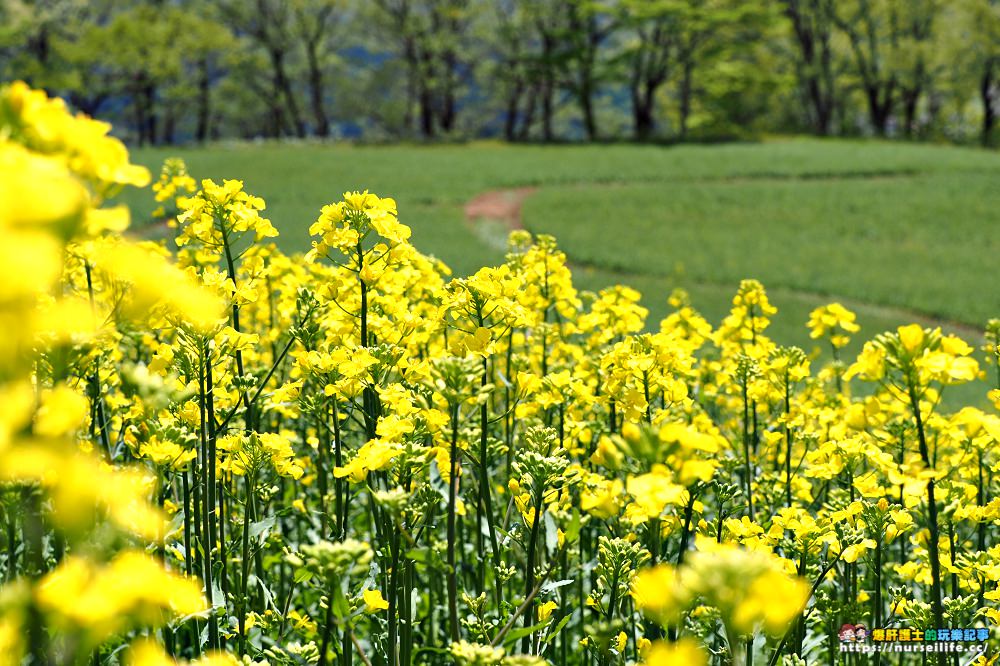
927, 243
898, 232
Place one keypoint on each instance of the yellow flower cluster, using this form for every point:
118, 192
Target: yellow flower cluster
833, 321
70, 286
749, 589
103, 600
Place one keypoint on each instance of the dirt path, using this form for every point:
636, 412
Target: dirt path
495, 213
498, 206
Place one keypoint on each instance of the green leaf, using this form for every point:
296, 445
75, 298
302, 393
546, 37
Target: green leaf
341, 608
437, 482
559, 627
555, 585
218, 598
417, 555
261, 527
518, 634
572, 530
268, 595
551, 533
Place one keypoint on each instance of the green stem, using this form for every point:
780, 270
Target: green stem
327, 625
231, 270
747, 469
932, 519
877, 602
819, 581
343, 489
485, 488
529, 574
452, 497
100, 422
33, 528
248, 512
788, 445
208, 493
393, 598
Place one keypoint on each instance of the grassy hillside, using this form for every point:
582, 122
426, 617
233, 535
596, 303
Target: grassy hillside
924, 242
898, 232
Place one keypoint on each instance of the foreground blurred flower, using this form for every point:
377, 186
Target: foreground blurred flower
751, 589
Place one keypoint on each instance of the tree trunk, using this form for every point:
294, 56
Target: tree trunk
815, 68
140, 117
642, 115
169, 125
643, 118
316, 90
86, 104
686, 85
821, 110
643, 102
426, 111
140, 104
548, 87
449, 105
424, 71
529, 114
588, 38
40, 46
513, 108
412, 74
986, 85
548, 93
911, 99
204, 101
586, 100
448, 111
149, 94
277, 111
879, 108
827, 86
284, 85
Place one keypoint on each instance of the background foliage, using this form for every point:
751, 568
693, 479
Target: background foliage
168, 71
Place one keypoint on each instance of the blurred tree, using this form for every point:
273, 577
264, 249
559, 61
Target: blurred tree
269, 24
983, 28
546, 61
507, 28
203, 42
746, 81
38, 44
167, 70
648, 54
429, 35
812, 24
890, 42
320, 24
914, 56
589, 24
706, 30
871, 26
136, 47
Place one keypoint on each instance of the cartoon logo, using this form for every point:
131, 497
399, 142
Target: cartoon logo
847, 634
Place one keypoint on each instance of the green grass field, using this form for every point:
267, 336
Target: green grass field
898, 232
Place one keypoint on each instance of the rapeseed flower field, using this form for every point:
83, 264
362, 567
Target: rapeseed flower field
212, 452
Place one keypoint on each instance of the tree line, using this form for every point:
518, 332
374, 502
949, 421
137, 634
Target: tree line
196, 70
